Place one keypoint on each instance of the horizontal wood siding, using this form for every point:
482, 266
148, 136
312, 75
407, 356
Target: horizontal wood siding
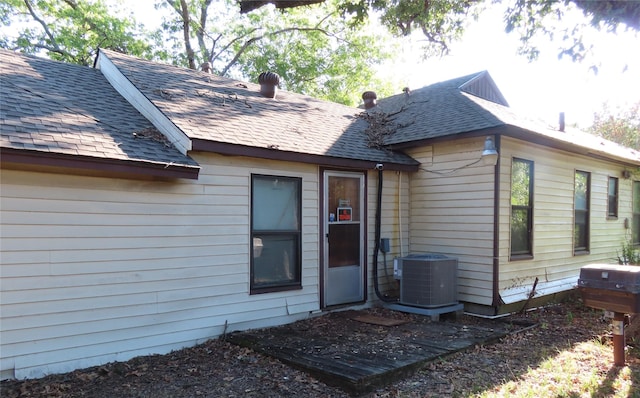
97, 270
451, 212
394, 226
553, 261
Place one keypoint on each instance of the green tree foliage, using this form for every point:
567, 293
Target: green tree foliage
621, 125
326, 49
531, 18
313, 49
442, 21
611, 13
69, 30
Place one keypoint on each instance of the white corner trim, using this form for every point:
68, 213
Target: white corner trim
139, 101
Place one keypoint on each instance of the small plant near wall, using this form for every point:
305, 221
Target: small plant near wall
629, 255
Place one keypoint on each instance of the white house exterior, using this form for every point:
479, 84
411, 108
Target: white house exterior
146, 208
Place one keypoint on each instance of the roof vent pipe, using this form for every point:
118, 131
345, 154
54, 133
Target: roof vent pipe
561, 122
369, 98
269, 82
206, 67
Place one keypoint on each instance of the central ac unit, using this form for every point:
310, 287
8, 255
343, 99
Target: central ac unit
427, 280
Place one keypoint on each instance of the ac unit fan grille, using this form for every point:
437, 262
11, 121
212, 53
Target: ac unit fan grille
429, 282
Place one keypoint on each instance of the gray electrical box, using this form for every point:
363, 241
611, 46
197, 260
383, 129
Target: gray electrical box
385, 246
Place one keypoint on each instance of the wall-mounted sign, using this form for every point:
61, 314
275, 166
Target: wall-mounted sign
344, 213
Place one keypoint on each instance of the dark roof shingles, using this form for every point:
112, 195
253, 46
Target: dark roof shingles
434, 111
213, 108
443, 109
55, 107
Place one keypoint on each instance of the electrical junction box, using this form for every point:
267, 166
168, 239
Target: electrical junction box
385, 246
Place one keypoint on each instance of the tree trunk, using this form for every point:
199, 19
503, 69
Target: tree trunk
186, 19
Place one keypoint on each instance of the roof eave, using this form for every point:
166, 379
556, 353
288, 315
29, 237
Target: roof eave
540, 139
276, 154
20, 159
448, 137
525, 135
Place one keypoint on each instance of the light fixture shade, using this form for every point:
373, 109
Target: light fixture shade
489, 154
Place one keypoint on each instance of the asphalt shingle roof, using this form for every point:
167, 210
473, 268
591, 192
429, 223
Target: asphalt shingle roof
580, 141
438, 110
60, 108
54, 107
445, 109
209, 107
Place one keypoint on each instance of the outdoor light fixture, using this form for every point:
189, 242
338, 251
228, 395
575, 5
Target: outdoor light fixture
489, 155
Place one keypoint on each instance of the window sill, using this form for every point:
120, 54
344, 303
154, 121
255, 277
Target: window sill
273, 289
521, 257
581, 252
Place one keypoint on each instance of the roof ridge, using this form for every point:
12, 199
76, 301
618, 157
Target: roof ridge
228, 81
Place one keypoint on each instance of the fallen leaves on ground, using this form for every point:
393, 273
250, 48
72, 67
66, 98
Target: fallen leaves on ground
519, 364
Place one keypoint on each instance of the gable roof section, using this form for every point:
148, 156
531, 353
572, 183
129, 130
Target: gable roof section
473, 105
231, 117
68, 117
482, 85
437, 110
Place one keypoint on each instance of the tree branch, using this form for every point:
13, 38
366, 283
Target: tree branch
54, 44
239, 53
214, 44
258, 38
432, 39
200, 32
180, 6
185, 30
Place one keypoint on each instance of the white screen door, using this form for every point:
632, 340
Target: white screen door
344, 237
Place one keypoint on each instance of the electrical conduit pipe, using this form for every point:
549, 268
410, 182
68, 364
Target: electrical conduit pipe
376, 249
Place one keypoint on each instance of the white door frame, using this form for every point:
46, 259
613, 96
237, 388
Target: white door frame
345, 283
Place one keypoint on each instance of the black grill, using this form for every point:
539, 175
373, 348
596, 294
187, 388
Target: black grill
611, 287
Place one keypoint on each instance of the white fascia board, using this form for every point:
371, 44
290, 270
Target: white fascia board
139, 101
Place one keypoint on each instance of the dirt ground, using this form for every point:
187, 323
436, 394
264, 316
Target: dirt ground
220, 369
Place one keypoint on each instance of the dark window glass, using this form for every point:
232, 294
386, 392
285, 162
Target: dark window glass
581, 202
521, 207
635, 224
612, 198
275, 233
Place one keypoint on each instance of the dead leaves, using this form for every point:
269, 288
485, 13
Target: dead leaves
37, 389
217, 368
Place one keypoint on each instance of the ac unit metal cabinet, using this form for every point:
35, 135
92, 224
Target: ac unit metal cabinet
427, 280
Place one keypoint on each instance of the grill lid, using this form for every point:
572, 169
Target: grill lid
625, 278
